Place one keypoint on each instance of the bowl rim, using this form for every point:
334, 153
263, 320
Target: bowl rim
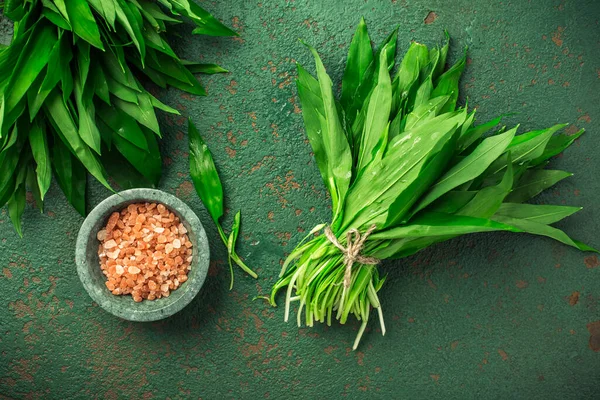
185, 213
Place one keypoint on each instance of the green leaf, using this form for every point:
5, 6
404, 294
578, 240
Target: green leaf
536, 228
62, 8
34, 187
334, 139
415, 58
533, 182
439, 224
199, 68
55, 17
544, 214
148, 163
378, 112
87, 118
143, 112
16, 207
41, 155
487, 200
161, 106
447, 84
556, 145
204, 174
206, 24
155, 41
429, 168
174, 74
51, 78
231, 241
121, 91
113, 68
155, 11
61, 119
383, 184
473, 134
441, 61
425, 111
312, 107
70, 175
123, 125
469, 167
451, 202
121, 170
101, 84
130, 19
369, 81
360, 57
106, 8
28, 67
526, 147
83, 22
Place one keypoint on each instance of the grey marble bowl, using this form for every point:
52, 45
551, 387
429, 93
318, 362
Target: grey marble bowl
88, 263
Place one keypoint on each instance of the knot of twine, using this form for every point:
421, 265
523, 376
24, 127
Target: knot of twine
355, 243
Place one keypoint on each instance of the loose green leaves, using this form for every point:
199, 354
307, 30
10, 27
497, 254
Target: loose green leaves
208, 186
71, 100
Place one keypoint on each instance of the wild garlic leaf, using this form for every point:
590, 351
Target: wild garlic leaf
360, 57
61, 120
533, 182
378, 112
82, 20
536, 228
542, 213
204, 174
470, 167
41, 154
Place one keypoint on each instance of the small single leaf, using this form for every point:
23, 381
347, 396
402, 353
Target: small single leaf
533, 182
204, 174
41, 155
199, 68
544, 214
16, 207
360, 56
83, 22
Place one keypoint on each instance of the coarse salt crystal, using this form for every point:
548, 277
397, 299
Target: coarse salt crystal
119, 269
133, 270
101, 234
159, 230
168, 248
176, 244
110, 244
114, 254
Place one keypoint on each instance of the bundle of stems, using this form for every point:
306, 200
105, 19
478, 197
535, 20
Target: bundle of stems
406, 169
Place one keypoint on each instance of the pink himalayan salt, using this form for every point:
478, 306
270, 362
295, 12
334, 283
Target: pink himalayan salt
141, 263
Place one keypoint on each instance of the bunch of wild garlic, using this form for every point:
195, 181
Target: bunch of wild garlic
406, 169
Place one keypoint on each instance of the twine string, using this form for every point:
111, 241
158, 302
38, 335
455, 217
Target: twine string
354, 245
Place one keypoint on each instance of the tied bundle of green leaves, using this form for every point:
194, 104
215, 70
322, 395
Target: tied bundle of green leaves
70, 98
210, 190
407, 169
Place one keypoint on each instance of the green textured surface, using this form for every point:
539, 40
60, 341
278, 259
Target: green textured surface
493, 315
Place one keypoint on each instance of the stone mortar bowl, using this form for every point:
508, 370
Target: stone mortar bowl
88, 263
